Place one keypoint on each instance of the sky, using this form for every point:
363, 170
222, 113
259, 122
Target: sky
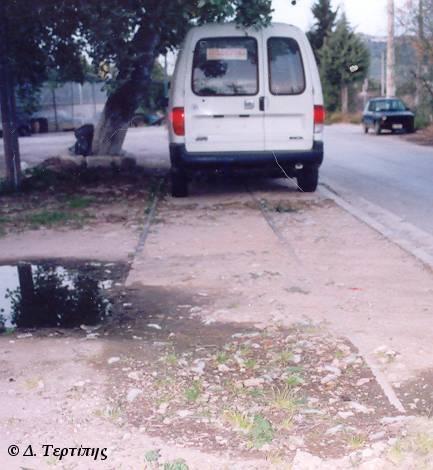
366, 16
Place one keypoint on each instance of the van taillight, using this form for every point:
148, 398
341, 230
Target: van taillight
178, 120
319, 118
319, 115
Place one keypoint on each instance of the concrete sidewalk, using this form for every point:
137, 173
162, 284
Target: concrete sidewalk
309, 261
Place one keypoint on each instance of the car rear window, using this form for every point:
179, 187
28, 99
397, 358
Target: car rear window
225, 66
286, 70
387, 105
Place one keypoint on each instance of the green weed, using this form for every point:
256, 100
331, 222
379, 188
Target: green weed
193, 392
80, 202
261, 432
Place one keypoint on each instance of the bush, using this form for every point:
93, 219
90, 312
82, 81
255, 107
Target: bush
337, 117
422, 120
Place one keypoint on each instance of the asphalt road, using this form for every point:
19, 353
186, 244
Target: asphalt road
394, 175
385, 170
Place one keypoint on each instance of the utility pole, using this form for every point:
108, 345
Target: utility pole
7, 106
390, 66
382, 73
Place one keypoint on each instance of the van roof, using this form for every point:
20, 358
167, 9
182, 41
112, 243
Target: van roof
232, 26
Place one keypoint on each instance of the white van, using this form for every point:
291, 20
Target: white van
249, 99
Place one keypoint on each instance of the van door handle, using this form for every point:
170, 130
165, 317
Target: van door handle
262, 103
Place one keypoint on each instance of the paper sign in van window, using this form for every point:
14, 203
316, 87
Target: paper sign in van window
234, 53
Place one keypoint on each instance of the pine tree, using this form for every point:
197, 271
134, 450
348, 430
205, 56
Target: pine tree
344, 61
324, 24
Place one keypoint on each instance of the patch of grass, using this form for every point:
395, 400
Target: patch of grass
284, 208
396, 452
261, 432
111, 412
285, 398
250, 363
171, 359
152, 456
245, 350
285, 357
256, 393
3, 222
222, 357
240, 421
194, 391
80, 202
178, 464
48, 218
339, 354
287, 423
294, 380
356, 441
423, 443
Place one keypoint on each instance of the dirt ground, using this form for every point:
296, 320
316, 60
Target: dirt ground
422, 137
257, 327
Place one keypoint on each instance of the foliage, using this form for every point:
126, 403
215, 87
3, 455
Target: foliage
341, 50
324, 24
57, 301
261, 432
417, 20
41, 38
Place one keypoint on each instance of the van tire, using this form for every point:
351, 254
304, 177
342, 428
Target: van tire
308, 179
179, 184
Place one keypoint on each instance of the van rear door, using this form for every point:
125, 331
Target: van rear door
222, 94
289, 100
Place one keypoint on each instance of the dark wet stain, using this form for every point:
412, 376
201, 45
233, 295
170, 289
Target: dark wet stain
53, 294
417, 394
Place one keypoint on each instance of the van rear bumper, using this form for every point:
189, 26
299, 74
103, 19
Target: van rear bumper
182, 159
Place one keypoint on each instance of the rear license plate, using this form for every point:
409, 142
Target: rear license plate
397, 126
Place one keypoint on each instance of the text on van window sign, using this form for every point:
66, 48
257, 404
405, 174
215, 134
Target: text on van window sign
233, 53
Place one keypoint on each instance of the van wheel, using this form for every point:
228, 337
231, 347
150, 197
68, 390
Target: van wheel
179, 184
365, 129
308, 179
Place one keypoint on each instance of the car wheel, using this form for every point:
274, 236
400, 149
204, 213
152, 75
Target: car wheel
179, 183
24, 131
410, 129
365, 129
308, 179
377, 128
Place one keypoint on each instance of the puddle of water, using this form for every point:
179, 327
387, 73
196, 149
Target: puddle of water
51, 295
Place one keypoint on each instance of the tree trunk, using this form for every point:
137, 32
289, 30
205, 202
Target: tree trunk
56, 120
420, 54
7, 105
121, 104
390, 69
344, 99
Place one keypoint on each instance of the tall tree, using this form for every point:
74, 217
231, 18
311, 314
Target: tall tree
418, 23
127, 34
323, 26
131, 34
35, 37
344, 61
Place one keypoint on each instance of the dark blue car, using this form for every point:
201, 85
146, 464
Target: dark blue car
388, 113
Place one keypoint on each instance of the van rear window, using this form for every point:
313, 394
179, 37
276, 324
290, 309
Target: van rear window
286, 70
225, 67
